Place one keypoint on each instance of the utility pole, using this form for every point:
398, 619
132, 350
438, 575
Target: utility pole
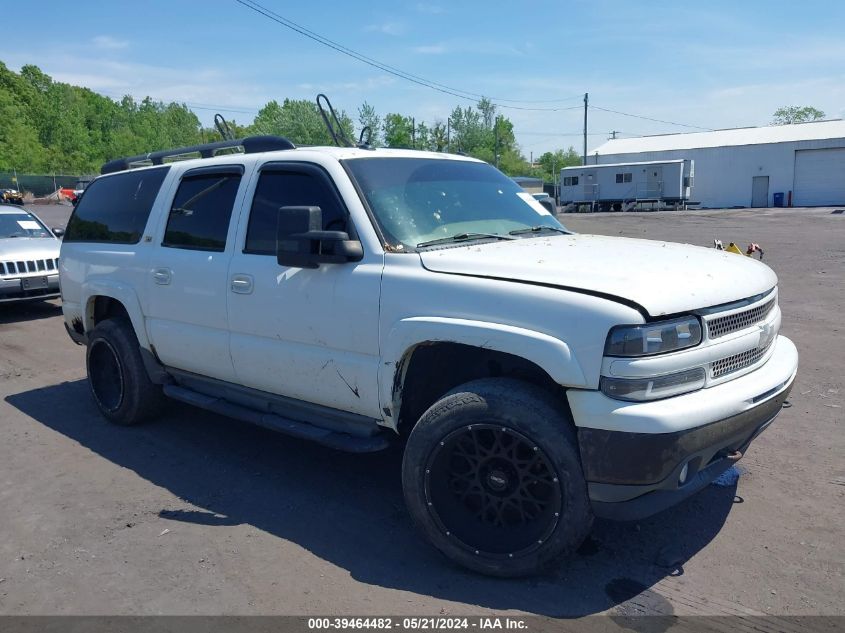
413, 133
586, 102
613, 134
449, 135
496, 146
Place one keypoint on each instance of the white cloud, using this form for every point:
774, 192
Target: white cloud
431, 9
200, 86
361, 86
387, 28
431, 49
107, 42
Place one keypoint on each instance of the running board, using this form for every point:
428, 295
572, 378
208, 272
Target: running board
302, 430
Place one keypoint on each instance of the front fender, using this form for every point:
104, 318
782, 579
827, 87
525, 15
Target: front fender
551, 354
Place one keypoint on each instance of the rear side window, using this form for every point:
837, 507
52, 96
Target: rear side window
116, 208
200, 214
292, 188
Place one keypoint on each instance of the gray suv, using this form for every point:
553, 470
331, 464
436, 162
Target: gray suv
29, 256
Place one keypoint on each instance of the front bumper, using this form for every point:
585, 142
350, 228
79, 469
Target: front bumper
15, 290
633, 454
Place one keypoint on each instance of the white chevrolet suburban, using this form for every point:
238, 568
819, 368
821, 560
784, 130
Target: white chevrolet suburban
357, 297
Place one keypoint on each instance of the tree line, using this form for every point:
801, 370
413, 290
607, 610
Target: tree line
52, 127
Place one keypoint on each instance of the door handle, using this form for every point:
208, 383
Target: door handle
162, 276
242, 284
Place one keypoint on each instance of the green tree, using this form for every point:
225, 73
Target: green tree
398, 130
48, 126
468, 133
20, 145
300, 121
483, 134
422, 136
550, 163
796, 114
487, 110
368, 118
438, 139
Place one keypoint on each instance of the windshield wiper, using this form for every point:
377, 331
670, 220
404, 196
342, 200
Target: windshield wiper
537, 229
463, 237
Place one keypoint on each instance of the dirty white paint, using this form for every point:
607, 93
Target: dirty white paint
336, 335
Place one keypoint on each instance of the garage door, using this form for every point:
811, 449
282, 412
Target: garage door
819, 177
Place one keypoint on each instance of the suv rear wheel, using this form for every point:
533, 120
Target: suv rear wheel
117, 376
492, 477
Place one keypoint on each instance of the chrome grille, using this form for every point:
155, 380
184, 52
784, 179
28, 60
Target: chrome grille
721, 326
739, 361
28, 266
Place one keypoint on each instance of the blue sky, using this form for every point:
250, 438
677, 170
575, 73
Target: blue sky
713, 65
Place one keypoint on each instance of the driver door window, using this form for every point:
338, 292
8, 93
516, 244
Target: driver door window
288, 188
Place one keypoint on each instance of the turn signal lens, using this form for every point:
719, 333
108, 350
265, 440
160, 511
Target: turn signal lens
653, 388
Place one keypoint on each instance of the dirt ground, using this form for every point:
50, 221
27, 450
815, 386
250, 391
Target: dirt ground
198, 514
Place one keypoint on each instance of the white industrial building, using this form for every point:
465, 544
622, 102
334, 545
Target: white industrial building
747, 166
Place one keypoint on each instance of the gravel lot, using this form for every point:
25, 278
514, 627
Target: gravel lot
199, 514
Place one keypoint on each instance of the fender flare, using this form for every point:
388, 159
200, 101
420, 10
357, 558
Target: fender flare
551, 354
119, 291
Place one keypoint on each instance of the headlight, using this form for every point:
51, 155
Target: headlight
642, 389
653, 338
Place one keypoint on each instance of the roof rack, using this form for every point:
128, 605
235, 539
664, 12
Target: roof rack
250, 145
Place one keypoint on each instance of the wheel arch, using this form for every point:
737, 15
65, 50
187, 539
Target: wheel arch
108, 298
425, 357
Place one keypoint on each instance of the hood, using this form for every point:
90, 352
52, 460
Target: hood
661, 277
14, 248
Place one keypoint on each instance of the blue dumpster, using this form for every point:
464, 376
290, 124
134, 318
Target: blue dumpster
778, 199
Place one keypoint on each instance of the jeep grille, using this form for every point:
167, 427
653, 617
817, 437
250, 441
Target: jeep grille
29, 266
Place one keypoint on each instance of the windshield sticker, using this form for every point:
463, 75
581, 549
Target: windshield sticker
29, 225
532, 202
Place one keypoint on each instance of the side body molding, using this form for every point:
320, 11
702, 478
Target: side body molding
553, 355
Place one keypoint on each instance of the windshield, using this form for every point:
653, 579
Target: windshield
417, 201
20, 223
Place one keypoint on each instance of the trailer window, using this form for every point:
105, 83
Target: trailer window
570, 181
623, 177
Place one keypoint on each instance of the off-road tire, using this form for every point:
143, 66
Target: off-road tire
119, 382
518, 412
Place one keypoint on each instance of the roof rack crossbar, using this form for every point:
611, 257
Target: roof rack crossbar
250, 145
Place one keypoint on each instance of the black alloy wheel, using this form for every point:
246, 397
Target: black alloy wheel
106, 375
493, 490
492, 477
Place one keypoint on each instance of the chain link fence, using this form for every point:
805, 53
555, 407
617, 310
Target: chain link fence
39, 185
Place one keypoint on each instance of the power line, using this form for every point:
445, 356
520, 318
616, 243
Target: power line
553, 134
198, 106
646, 118
396, 72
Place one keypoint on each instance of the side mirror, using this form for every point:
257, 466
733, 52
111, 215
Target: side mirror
549, 205
58, 232
301, 242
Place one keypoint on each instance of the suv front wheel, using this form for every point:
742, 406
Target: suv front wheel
116, 374
492, 477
